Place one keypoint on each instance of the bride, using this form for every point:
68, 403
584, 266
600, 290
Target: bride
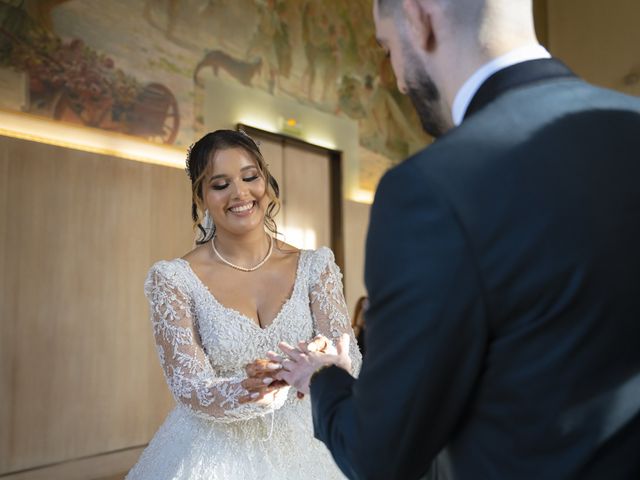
221, 306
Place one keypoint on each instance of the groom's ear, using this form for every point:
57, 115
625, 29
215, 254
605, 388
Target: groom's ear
419, 15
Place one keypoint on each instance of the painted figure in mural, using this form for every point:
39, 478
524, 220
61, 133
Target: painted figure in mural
271, 42
226, 303
319, 36
383, 124
502, 267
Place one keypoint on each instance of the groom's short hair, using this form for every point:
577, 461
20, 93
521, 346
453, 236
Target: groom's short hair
466, 13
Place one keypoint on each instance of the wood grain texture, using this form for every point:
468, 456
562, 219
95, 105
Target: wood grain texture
307, 198
356, 221
598, 40
82, 375
541, 18
272, 152
6, 322
108, 466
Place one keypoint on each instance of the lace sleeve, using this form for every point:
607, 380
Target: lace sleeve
328, 307
191, 378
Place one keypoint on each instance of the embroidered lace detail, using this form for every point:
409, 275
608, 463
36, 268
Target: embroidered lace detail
328, 305
189, 374
203, 347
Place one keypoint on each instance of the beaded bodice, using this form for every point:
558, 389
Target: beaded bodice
203, 346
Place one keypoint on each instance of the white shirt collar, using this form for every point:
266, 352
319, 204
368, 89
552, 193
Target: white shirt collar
470, 87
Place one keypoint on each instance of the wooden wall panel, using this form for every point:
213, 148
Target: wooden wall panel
541, 18
83, 230
310, 179
272, 152
111, 466
356, 222
307, 198
6, 324
598, 40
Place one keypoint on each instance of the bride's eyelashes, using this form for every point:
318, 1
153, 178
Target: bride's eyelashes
225, 185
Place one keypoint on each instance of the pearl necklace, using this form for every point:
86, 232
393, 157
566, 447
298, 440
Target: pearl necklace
238, 267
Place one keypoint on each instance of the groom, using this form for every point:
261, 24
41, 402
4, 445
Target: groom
502, 265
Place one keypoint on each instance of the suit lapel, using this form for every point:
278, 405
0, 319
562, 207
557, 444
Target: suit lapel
515, 76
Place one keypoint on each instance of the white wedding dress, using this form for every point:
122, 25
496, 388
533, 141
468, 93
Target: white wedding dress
203, 347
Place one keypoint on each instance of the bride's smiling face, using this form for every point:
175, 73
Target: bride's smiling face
234, 192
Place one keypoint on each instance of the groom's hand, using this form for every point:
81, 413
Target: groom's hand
301, 363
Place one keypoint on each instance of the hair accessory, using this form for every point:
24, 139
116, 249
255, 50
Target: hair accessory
256, 142
187, 162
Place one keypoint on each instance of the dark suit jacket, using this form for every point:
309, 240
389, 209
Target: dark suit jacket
503, 269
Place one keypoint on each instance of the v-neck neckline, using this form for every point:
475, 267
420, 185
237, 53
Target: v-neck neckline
237, 313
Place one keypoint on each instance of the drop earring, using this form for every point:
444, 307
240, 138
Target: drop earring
208, 224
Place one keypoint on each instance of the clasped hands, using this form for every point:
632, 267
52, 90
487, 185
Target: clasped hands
267, 376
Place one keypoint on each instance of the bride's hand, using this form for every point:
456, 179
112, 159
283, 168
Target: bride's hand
260, 383
262, 367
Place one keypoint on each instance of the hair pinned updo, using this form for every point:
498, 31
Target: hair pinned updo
199, 157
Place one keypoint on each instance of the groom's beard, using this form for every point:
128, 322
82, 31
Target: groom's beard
425, 96
427, 101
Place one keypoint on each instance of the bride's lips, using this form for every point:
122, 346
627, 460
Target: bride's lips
243, 209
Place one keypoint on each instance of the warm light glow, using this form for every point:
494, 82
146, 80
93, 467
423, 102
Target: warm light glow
321, 142
62, 134
266, 125
362, 196
304, 238
259, 123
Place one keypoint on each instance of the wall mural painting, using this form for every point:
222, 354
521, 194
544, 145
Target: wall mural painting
136, 66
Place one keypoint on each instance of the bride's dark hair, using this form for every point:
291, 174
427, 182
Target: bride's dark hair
199, 158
